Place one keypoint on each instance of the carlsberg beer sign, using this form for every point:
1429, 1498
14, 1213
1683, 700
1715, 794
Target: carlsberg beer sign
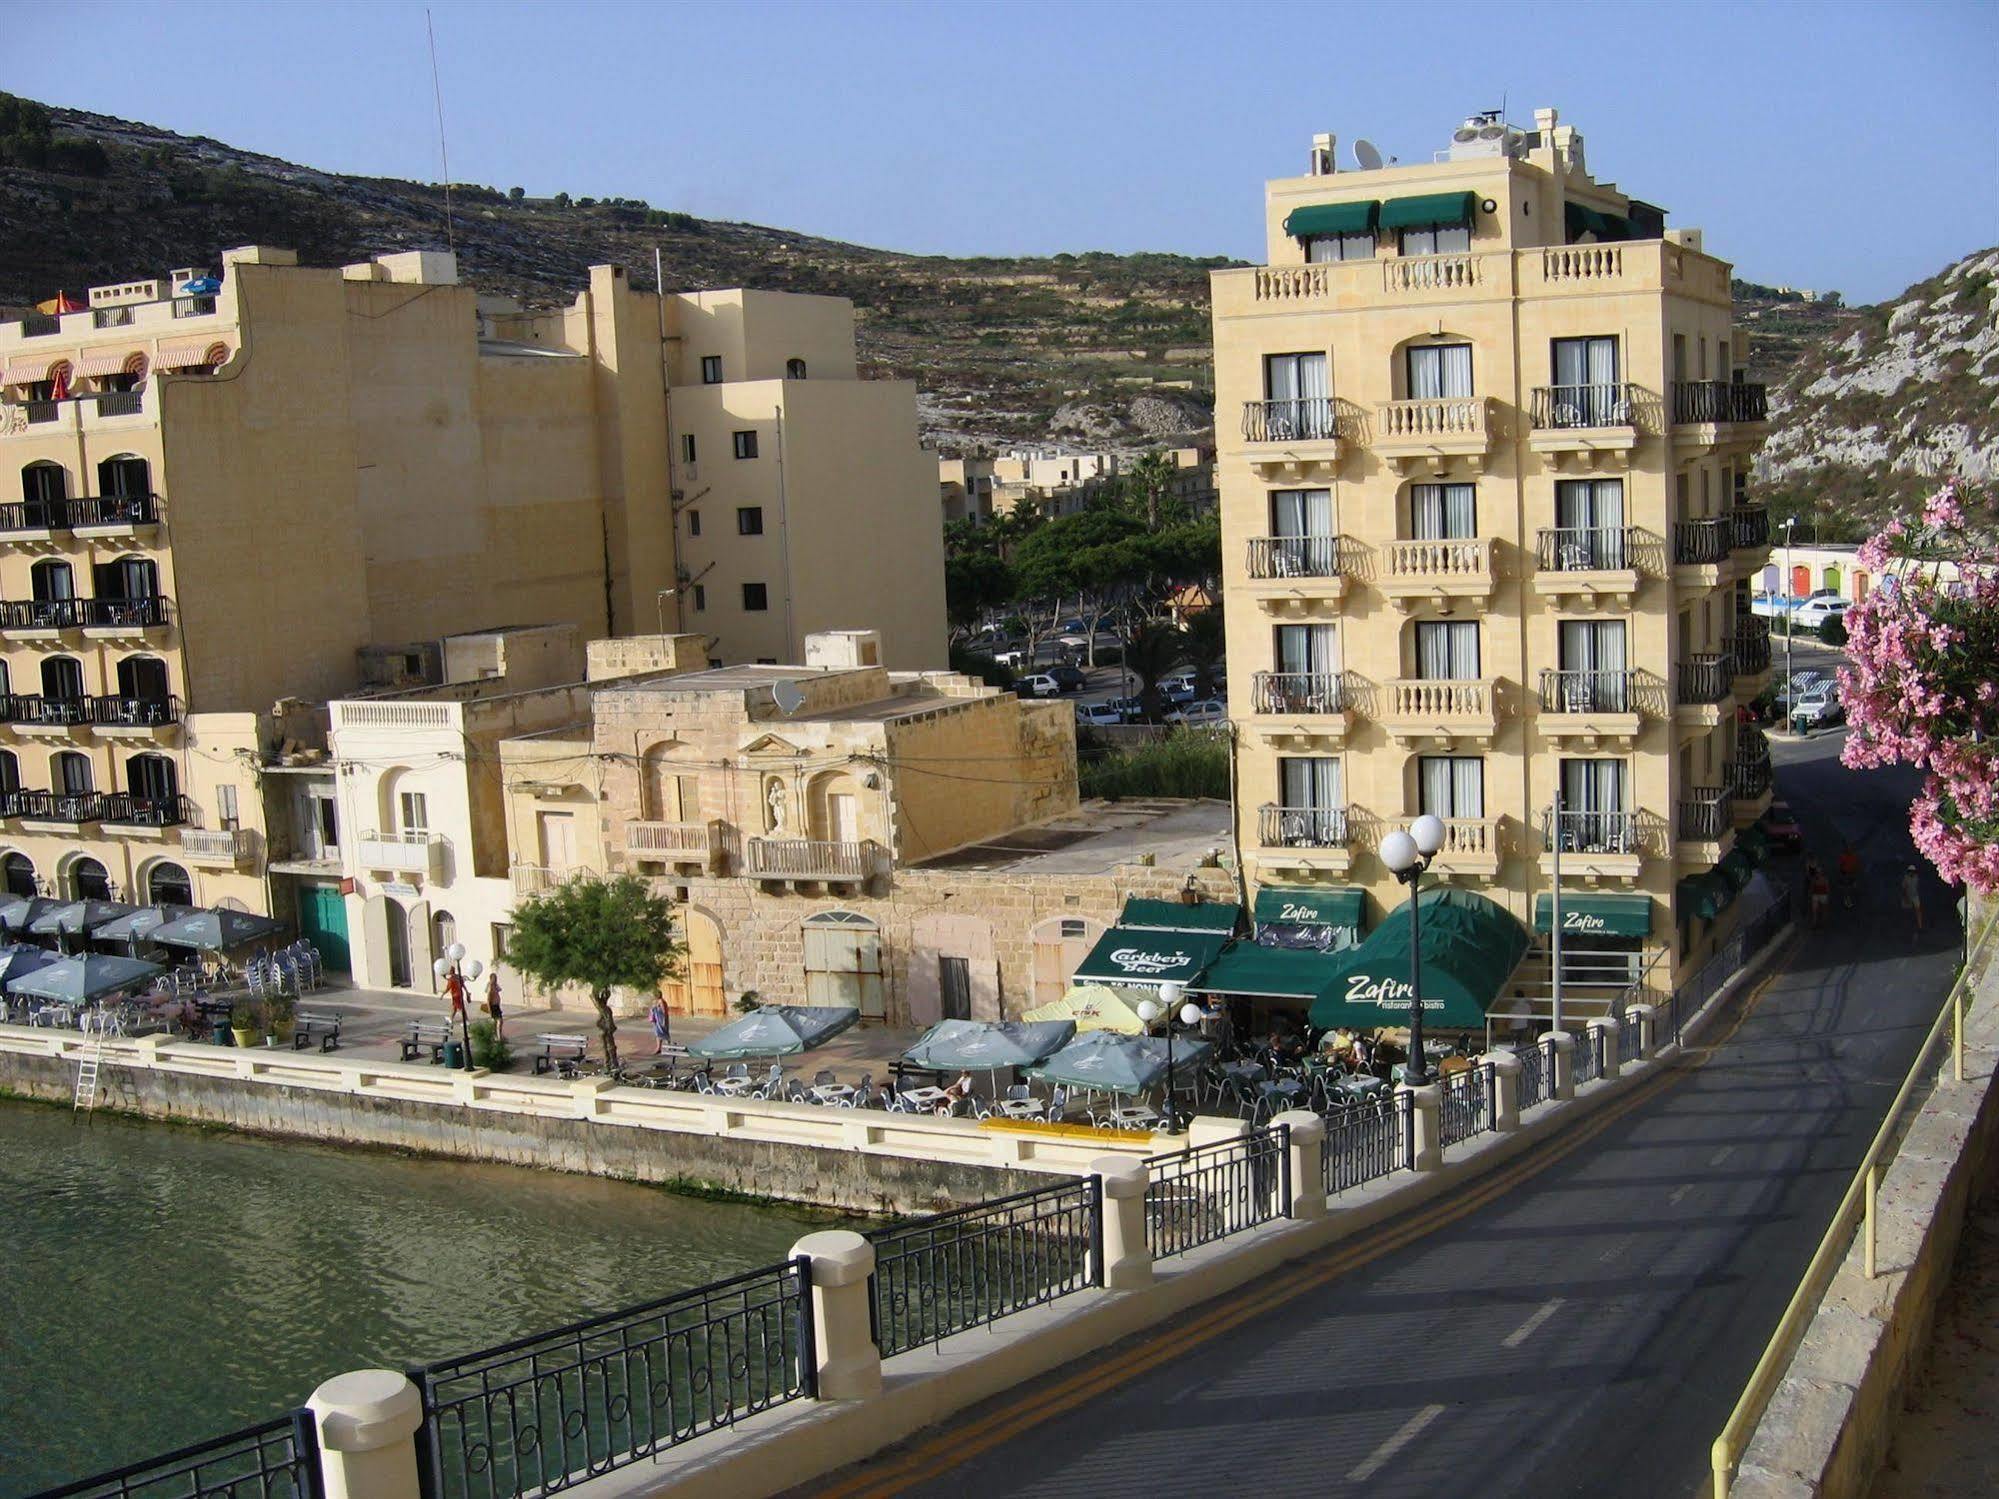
1139, 960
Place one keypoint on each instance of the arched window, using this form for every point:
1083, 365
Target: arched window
127, 476
843, 962
62, 679
152, 778
69, 771
45, 484
794, 369
128, 578
169, 885
52, 580
19, 872
443, 932
10, 776
87, 880
143, 678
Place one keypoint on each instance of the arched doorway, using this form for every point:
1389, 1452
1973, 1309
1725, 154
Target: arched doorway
399, 946
1830, 579
18, 870
168, 884
698, 990
1861, 584
1060, 945
1801, 580
87, 880
843, 963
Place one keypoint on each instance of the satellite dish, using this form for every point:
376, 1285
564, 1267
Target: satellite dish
1464, 135
1491, 132
1365, 156
788, 696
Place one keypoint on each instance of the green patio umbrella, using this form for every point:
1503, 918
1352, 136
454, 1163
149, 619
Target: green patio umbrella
216, 931
1111, 1063
987, 1046
77, 917
18, 960
77, 981
776, 1031
138, 924
17, 913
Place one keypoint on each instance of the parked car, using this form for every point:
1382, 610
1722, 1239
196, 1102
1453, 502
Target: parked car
1013, 653
1211, 710
1782, 828
1803, 684
1041, 684
1099, 715
1130, 707
1817, 709
1067, 678
1814, 612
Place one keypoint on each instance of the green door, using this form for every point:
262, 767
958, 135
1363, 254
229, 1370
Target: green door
322, 921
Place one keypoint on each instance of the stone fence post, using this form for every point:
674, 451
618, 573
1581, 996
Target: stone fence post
849, 1363
1562, 1079
1307, 1169
1505, 1090
1603, 1036
367, 1424
1426, 1124
1127, 1257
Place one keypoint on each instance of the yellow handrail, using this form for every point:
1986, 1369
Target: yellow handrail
1859, 1200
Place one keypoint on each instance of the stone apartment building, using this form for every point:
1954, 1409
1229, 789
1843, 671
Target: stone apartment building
1486, 427
290, 483
1058, 483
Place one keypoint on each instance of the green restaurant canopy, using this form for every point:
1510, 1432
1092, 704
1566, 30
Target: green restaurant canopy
1280, 905
776, 1031
78, 981
1580, 219
1596, 915
1172, 916
1430, 208
78, 916
16, 914
1333, 218
140, 924
1471, 945
1705, 895
1143, 955
1254, 972
17, 960
1111, 1063
987, 1046
1737, 869
1754, 842
215, 931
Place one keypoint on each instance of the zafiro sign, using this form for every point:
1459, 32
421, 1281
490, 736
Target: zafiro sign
1387, 993
1582, 921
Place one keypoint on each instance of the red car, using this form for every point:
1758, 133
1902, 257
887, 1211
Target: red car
1782, 828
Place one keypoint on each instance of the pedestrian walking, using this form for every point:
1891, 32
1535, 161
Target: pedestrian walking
1849, 874
454, 990
1819, 889
493, 1004
1912, 901
662, 1026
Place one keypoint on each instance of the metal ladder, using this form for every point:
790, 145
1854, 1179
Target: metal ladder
85, 1099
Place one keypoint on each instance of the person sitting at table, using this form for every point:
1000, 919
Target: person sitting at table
956, 1094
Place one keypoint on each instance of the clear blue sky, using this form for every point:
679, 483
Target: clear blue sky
1841, 145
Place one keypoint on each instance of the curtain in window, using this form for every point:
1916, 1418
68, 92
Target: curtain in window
1306, 648
1591, 513
1296, 377
1457, 369
1447, 650
1443, 512
1596, 647
1585, 361
1451, 785
1592, 804
1313, 783
1301, 512
1327, 247
1439, 371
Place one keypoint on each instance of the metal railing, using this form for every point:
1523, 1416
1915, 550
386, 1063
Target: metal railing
1752, 527
1297, 692
1698, 542
34, 515
1364, 1141
809, 859
1719, 401
543, 1413
1207, 1192
1558, 407
118, 712
1584, 549
1706, 813
119, 402
1589, 691
1749, 778
276, 1459
40, 325
1750, 938
1466, 1104
1302, 827
1303, 419
1706, 677
75, 614
1629, 1043
532, 879
1592, 832
1855, 1214
966, 1268
1532, 1087
1586, 1060
112, 510
1750, 646
1292, 557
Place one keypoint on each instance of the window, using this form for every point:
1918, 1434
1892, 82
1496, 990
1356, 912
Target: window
502, 931
127, 476
1438, 372
1595, 818
1592, 653
749, 520
843, 962
88, 880
746, 444
128, 579
687, 447
954, 985
1311, 813
1307, 648
52, 581
62, 679
700, 597
1437, 239
70, 773
152, 778
1451, 785
19, 871
1301, 512
694, 523
143, 679
1298, 390
413, 811
1587, 392
794, 369
1325, 247
1447, 650
1443, 512
1590, 516
169, 885
711, 369
755, 597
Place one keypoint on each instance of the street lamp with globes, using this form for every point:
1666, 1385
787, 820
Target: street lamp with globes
454, 961
1407, 855
1190, 1014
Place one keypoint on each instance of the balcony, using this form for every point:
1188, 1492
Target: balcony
1718, 402
103, 619
812, 860
34, 713
1470, 849
1751, 780
1442, 711
1592, 846
1706, 824
1440, 573
1750, 646
1307, 839
1306, 429
223, 847
1703, 683
1415, 275
533, 879
1750, 534
1589, 564
1701, 550
1296, 570
1300, 706
133, 717
676, 843
33, 520
64, 811
112, 515
1586, 426
119, 408
1434, 434
409, 853
1590, 706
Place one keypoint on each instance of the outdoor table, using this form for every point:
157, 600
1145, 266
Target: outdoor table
1246, 1072
1132, 1118
735, 1087
832, 1092
930, 1098
1022, 1108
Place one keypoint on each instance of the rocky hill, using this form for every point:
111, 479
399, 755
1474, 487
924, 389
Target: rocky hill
1881, 410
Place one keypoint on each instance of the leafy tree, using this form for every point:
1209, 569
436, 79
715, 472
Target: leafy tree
975, 582
601, 933
1151, 480
1204, 646
1151, 653
517, 193
561, 200
1833, 631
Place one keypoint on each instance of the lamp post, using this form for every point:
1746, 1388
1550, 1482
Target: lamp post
1407, 855
1168, 1005
453, 963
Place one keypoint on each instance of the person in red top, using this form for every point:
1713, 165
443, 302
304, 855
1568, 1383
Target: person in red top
1849, 875
454, 990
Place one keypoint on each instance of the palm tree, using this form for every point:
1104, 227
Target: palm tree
1151, 653
1204, 646
1151, 477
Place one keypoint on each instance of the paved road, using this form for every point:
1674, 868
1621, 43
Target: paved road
1585, 1333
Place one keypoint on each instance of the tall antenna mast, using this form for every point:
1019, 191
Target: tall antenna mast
437, 93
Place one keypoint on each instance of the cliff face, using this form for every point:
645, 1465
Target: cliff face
1871, 419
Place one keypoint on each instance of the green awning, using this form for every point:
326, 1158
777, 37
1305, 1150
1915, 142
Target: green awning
1332, 218
1430, 208
1754, 842
1471, 945
1736, 868
1171, 916
1705, 895
1596, 915
1579, 219
1268, 972
1139, 955
1291, 905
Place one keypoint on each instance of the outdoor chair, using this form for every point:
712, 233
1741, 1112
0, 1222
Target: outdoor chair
864, 1091
824, 1078
1019, 1093
894, 1102
738, 1069
795, 1093
1058, 1103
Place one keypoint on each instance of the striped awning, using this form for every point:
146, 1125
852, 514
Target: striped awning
116, 360
27, 369
190, 352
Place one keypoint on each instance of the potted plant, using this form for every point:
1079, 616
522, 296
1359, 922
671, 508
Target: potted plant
245, 1025
281, 1018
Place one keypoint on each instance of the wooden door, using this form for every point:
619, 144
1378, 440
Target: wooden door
698, 991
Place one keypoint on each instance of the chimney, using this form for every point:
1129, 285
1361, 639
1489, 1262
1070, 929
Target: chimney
1322, 155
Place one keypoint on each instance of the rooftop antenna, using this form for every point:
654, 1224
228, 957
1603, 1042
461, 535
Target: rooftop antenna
437, 93
788, 696
1365, 156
